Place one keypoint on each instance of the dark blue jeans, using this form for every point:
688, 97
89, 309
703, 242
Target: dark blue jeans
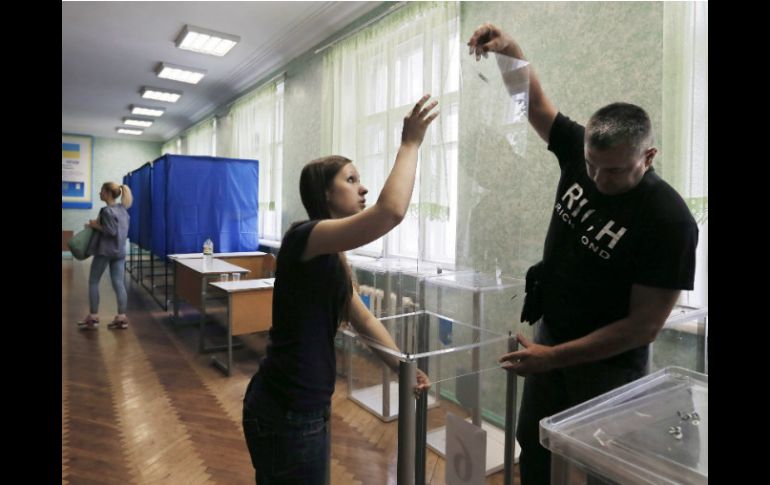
286, 447
551, 392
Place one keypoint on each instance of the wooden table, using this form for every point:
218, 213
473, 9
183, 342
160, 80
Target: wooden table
191, 279
257, 262
249, 310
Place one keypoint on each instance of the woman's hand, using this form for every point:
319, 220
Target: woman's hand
417, 121
423, 383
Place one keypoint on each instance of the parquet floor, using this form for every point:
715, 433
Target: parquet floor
142, 406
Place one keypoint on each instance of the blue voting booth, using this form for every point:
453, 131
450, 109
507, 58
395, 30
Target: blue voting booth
180, 201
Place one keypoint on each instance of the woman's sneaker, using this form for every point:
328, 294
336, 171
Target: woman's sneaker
88, 323
117, 324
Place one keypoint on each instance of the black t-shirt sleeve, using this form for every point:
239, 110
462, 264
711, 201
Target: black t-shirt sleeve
668, 260
295, 240
566, 141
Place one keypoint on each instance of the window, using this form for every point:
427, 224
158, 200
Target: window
200, 139
257, 133
171, 147
372, 81
684, 137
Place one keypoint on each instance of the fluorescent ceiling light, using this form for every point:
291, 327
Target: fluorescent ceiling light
128, 131
137, 122
146, 110
180, 73
206, 41
166, 95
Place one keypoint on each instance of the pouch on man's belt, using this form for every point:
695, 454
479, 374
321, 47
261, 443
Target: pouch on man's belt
533, 300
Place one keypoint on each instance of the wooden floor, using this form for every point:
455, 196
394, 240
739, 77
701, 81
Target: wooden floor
142, 406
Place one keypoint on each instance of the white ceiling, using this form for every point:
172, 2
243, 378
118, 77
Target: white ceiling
111, 49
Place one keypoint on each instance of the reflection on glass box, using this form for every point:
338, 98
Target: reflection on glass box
683, 341
652, 430
391, 286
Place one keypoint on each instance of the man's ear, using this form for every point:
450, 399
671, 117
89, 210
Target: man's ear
649, 155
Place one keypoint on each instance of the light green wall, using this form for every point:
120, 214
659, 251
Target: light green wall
587, 54
113, 159
302, 131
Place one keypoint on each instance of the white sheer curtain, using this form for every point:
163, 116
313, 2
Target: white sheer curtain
170, 146
684, 138
257, 133
371, 81
200, 139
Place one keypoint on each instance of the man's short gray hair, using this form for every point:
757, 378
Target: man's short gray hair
617, 123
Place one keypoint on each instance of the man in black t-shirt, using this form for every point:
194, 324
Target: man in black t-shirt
620, 247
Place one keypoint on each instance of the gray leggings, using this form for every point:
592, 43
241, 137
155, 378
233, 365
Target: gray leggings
117, 272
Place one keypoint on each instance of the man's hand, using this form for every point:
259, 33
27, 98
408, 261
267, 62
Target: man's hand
532, 359
542, 112
489, 37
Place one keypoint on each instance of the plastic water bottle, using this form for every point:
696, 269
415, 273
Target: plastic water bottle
208, 252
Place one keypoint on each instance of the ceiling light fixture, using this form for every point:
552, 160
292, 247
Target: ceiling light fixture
180, 73
166, 95
128, 131
137, 122
206, 41
146, 110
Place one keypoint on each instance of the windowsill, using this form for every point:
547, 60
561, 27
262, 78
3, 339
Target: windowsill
270, 243
444, 265
370, 254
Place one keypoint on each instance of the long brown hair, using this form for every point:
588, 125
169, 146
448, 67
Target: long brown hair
316, 178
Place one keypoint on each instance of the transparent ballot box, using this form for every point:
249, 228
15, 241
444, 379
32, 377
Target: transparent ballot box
651, 431
473, 388
370, 382
374, 385
477, 299
390, 286
489, 304
466, 378
683, 340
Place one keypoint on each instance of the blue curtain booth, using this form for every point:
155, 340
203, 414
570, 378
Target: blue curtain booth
138, 181
196, 198
144, 209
